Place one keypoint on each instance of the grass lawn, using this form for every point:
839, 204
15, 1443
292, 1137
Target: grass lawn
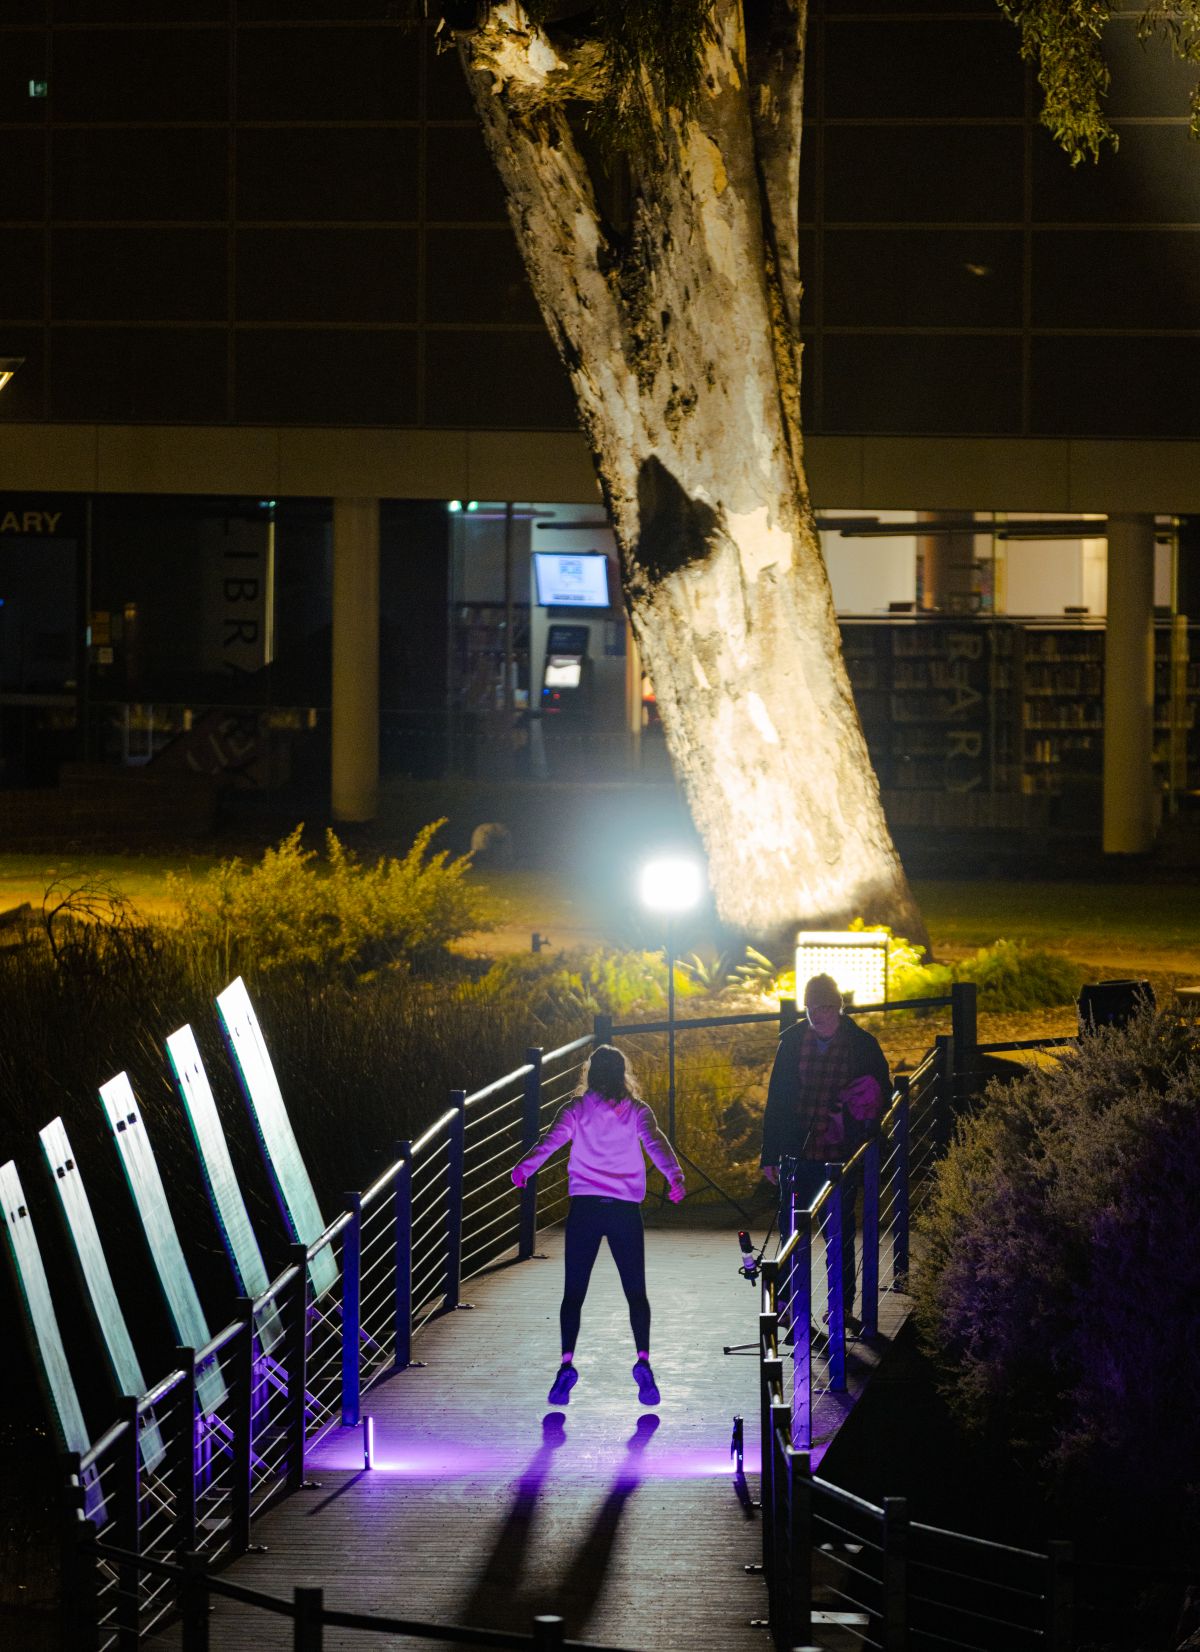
141, 878
1115, 926
1151, 926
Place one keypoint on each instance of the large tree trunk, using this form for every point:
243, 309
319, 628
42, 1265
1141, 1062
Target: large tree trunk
679, 332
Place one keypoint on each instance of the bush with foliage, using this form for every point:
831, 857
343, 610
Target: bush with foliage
1059, 1267
340, 918
554, 988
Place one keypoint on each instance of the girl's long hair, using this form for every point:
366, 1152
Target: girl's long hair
609, 1075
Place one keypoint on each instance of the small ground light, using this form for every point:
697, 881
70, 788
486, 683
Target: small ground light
368, 1432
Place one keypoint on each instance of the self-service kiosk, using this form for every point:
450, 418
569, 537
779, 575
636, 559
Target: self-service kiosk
566, 675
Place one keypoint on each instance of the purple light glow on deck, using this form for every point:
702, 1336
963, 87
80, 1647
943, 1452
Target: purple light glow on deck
581, 1450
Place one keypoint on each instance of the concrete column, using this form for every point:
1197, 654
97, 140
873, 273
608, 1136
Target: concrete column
355, 788
949, 580
1130, 804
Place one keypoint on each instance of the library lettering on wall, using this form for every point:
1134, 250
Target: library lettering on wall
991, 708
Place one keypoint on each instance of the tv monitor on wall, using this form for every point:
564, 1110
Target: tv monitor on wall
571, 579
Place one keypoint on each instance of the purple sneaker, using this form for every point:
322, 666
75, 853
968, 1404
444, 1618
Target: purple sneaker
647, 1387
560, 1389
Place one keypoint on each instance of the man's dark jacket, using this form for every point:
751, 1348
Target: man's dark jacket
786, 1122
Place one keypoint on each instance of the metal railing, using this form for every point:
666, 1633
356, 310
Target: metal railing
892, 1582
187, 1469
175, 1486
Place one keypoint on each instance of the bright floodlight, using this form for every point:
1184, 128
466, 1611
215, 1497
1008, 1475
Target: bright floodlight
671, 884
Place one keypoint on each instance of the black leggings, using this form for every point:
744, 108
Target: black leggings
590, 1220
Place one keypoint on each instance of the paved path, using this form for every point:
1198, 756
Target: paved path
486, 1506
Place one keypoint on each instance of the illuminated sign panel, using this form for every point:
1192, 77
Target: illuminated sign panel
241, 1245
856, 958
145, 1184
114, 1333
293, 1187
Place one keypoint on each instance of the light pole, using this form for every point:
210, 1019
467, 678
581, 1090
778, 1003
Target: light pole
671, 885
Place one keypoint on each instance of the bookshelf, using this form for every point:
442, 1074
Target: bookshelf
998, 708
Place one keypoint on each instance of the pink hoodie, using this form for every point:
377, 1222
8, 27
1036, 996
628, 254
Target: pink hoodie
607, 1138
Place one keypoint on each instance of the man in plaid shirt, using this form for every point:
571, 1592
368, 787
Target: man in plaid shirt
828, 1086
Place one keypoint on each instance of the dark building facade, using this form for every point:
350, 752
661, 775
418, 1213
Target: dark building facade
253, 251
273, 212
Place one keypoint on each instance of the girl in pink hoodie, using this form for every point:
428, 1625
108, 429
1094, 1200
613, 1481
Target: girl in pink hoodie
608, 1125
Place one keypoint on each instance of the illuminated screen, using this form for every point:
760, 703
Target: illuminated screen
563, 671
571, 579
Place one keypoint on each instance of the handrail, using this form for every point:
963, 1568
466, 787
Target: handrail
278, 1284
567, 1049
438, 1124
498, 1084
220, 1340
337, 1227
166, 1385
850, 1498
697, 1022
109, 1438
977, 1542
382, 1182
684, 1023
1027, 1044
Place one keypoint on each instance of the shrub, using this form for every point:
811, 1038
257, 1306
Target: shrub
1059, 1271
553, 988
341, 919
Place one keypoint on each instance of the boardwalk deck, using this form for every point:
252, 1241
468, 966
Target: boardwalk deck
486, 1506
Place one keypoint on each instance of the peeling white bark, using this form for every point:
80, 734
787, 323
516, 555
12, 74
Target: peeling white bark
680, 339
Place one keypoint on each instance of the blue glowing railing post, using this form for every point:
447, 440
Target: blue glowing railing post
800, 1308
778, 1577
894, 1630
181, 1465
402, 1219
454, 1199
352, 1313
530, 1120
870, 1239
770, 1375
296, 1343
127, 1522
241, 1393
834, 1252
900, 1159
602, 1030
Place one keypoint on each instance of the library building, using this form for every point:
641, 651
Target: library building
293, 494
